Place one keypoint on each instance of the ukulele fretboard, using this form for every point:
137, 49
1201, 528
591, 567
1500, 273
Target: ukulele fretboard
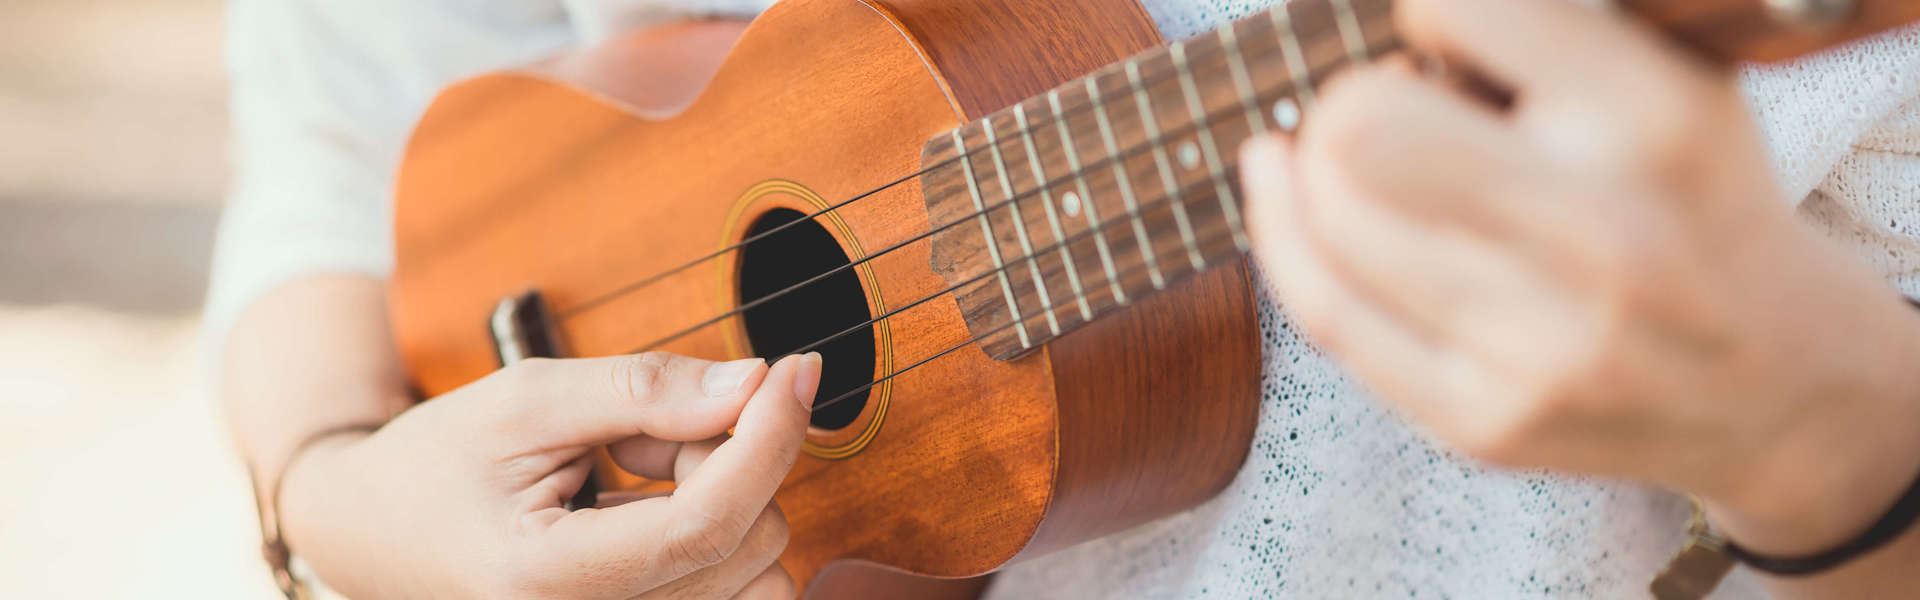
1118, 185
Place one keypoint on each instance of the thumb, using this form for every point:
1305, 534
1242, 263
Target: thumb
765, 442
712, 510
546, 404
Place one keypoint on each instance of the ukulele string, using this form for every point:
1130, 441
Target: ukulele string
1115, 161
1034, 125
1009, 264
819, 406
1016, 262
655, 278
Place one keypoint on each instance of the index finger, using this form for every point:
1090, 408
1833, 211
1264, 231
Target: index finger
730, 487
643, 544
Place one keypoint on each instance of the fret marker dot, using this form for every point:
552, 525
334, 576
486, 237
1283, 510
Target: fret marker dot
1070, 203
1286, 114
1189, 155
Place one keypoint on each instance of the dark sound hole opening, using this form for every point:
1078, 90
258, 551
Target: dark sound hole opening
802, 316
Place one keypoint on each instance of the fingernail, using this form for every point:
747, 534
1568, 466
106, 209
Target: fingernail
806, 379
723, 379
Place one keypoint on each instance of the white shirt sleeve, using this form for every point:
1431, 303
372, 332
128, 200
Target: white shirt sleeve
1844, 128
324, 94
1815, 111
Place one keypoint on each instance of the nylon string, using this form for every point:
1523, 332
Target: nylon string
969, 341
1106, 161
1037, 125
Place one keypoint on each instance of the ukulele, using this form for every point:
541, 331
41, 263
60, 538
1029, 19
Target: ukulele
1012, 229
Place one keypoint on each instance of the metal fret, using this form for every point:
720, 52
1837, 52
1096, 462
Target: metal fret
1126, 188
993, 244
1086, 198
1166, 172
1046, 197
1020, 227
1228, 205
1242, 82
1295, 57
1350, 32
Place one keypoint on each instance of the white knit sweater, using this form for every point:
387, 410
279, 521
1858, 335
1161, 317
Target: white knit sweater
1338, 499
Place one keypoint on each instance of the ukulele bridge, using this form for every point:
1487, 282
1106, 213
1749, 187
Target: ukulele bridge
521, 329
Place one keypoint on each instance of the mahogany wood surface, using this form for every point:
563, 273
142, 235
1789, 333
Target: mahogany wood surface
568, 180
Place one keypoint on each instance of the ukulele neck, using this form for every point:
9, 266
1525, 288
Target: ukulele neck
1120, 184
1115, 186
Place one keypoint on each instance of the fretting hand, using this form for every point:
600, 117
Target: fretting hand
462, 496
1595, 273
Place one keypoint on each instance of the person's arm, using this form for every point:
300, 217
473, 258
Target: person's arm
1600, 276
463, 496
310, 355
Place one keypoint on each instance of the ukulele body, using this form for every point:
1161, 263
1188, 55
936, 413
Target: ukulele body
586, 173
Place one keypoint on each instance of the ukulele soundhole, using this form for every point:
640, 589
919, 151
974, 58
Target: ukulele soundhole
801, 316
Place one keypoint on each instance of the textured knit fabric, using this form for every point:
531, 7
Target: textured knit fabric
1338, 498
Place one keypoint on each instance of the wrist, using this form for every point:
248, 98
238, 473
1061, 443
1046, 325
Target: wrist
302, 514
1827, 479
306, 483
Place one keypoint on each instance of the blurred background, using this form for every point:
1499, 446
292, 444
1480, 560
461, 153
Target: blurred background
116, 477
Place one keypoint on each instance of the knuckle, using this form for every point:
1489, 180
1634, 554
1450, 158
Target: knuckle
705, 540
641, 378
697, 551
